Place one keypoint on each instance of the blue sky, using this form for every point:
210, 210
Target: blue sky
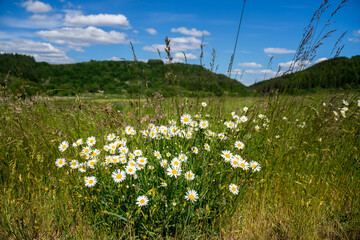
61, 31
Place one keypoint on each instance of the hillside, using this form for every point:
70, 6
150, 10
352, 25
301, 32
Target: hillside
118, 77
336, 73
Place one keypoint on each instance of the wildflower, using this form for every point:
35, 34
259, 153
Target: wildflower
130, 130
163, 184
188, 135
108, 159
82, 167
110, 137
60, 162
207, 147
245, 109
163, 163
91, 141
244, 165
118, 175
91, 164
174, 172
95, 153
255, 166
63, 146
131, 156
191, 195
277, 136
358, 104
137, 153
142, 160
131, 170
168, 154
189, 175
230, 124
183, 157
132, 163
343, 113
232, 113
195, 150
153, 134
86, 150
234, 189
345, 103
123, 159
227, 155
172, 122
142, 201
203, 104
234, 162
222, 136
243, 119
257, 128
175, 162
74, 164
78, 142
90, 181
185, 119
157, 154
106, 148
239, 145
150, 167
284, 118
124, 150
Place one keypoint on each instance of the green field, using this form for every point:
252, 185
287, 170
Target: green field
307, 188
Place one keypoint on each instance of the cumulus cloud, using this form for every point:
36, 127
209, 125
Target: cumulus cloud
250, 65
295, 65
76, 38
39, 50
115, 59
278, 50
181, 44
180, 58
36, 7
321, 59
261, 71
191, 32
74, 18
151, 31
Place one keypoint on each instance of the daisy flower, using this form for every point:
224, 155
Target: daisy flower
257, 128
195, 150
115, 159
63, 146
91, 141
82, 167
174, 172
183, 157
123, 150
207, 147
255, 166
188, 135
172, 122
131, 156
86, 150
132, 163
153, 134
191, 195
164, 163
203, 124
244, 165
131, 170
163, 184
110, 137
234, 189
91, 164
245, 109
157, 154
222, 136
358, 103
142, 160
106, 148
230, 124
74, 164
203, 104
175, 162
243, 119
118, 175
168, 154
90, 181
185, 119
78, 142
189, 175
95, 153
108, 159
345, 103
60, 162
227, 155
239, 145
142, 201
234, 162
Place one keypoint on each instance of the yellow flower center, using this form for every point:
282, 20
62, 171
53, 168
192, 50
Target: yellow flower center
118, 176
92, 163
86, 150
91, 181
242, 164
132, 164
233, 189
61, 162
74, 163
203, 124
189, 175
174, 171
192, 197
254, 166
227, 155
142, 201
186, 119
64, 146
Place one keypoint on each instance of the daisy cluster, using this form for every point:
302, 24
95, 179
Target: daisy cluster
128, 163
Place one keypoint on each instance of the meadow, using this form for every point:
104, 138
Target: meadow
271, 167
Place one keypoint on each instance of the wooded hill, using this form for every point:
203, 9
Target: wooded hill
336, 73
126, 78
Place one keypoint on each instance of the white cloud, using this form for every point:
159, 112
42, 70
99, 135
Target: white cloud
76, 38
295, 65
181, 44
151, 31
250, 65
191, 32
115, 59
278, 50
320, 60
179, 57
74, 18
40, 50
36, 7
135, 31
261, 71
354, 39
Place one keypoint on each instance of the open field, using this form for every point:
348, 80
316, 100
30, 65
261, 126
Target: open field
307, 187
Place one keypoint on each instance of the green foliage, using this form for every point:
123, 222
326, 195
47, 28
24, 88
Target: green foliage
336, 73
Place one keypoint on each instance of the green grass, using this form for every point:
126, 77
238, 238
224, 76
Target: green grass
306, 189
